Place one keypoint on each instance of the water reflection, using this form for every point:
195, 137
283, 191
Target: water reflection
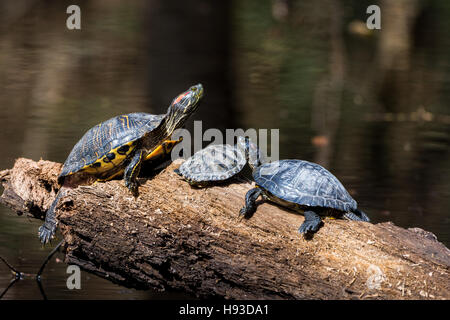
372, 107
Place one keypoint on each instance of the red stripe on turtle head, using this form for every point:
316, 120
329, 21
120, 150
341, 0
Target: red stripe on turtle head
181, 96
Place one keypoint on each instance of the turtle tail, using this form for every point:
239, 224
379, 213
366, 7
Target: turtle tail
357, 215
47, 230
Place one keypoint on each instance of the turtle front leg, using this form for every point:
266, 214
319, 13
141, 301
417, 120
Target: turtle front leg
311, 224
48, 229
132, 171
250, 202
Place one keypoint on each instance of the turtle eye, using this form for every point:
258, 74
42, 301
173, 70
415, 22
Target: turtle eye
194, 89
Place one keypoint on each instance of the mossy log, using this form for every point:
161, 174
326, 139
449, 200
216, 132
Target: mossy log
177, 237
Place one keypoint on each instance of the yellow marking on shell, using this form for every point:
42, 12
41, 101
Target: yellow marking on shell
120, 172
122, 120
100, 166
97, 133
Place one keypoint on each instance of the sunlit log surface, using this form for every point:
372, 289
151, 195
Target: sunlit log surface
174, 236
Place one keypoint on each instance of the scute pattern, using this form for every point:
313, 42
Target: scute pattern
107, 136
214, 163
304, 183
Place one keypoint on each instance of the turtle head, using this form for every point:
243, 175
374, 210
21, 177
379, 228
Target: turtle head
251, 151
183, 106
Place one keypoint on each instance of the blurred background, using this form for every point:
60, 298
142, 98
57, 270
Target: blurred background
372, 106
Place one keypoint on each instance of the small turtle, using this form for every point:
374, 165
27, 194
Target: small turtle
118, 147
303, 186
212, 164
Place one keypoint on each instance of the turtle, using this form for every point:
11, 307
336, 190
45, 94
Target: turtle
302, 186
215, 163
118, 146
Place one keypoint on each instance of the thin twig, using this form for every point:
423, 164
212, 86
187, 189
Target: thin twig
9, 266
9, 286
20, 275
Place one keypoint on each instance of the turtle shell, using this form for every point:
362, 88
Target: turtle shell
304, 183
214, 163
108, 144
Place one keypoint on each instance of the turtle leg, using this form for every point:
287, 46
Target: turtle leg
362, 215
47, 230
311, 224
250, 202
132, 171
41, 269
357, 215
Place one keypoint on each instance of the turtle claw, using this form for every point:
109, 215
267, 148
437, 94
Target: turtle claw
46, 234
311, 224
250, 203
133, 187
246, 212
308, 228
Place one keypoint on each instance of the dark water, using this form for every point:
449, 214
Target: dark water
372, 107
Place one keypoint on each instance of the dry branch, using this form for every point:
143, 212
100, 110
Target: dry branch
178, 237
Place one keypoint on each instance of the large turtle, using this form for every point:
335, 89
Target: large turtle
215, 163
119, 146
300, 185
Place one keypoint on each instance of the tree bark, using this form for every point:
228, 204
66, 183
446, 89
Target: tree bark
178, 237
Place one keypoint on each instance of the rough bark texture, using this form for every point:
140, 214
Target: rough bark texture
178, 237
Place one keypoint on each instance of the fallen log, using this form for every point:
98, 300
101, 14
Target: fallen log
178, 237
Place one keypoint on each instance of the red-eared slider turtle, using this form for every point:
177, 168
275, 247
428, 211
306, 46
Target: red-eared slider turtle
212, 164
303, 186
119, 146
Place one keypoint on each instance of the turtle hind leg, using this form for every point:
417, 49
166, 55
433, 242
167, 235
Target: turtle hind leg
48, 229
132, 171
362, 215
311, 224
250, 202
356, 215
